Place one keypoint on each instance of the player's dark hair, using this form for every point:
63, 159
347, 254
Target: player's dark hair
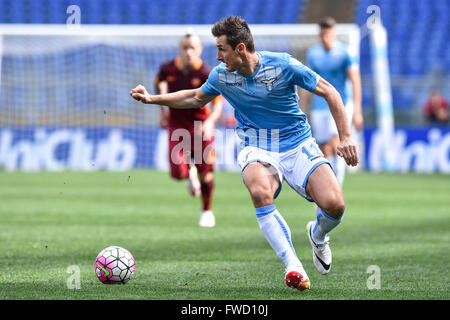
237, 31
327, 22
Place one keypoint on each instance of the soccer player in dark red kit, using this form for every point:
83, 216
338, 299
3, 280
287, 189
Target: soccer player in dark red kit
190, 129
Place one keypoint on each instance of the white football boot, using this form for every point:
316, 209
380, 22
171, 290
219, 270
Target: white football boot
192, 183
321, 252
207, 219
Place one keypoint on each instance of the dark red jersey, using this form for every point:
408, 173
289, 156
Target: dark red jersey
178, 80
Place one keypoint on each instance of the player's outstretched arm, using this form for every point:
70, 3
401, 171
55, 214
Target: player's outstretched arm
184, 99
355, 78
346, 147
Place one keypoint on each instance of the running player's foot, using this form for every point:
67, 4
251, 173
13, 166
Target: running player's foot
297, 279
321, 252
192, 183
207, 219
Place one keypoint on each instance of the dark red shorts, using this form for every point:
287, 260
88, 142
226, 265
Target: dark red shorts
186, 148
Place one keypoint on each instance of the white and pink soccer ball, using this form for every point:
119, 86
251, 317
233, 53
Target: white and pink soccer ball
114, 265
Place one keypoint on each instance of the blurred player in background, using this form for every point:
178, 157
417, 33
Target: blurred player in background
261, 86
436, 108
187, 71
334, 62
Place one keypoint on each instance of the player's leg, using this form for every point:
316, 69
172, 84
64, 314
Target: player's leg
310, 174
324, 189
179, 162
329, 150
207, 187
179, 168
207, 218
179, 171
339, 164
205, 171
192, 181
263, 183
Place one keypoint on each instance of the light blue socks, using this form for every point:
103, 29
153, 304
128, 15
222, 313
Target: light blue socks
277, 233
324, 224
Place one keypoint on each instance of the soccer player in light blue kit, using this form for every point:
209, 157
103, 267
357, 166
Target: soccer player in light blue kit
277, 141
337, 63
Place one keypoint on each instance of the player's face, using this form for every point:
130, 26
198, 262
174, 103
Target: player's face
190, 51
327, 37
226, 54
435, 98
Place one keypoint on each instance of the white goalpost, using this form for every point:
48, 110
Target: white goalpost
64, 91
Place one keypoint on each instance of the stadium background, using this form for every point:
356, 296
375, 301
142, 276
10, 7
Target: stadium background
418, 52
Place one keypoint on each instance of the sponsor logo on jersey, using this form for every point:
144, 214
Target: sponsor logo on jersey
233, 84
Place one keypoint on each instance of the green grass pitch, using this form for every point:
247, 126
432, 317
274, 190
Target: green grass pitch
50, 221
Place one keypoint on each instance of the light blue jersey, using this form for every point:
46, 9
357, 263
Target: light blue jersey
331, 65
266, 100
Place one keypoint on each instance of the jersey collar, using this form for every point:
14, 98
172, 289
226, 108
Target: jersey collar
257, 67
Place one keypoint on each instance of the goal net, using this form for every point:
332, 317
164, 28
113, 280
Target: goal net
64, 92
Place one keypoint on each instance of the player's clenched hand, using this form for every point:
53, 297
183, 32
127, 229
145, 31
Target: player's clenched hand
140, 94
347, 149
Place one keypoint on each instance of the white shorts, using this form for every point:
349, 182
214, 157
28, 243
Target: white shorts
294, 165
323, 125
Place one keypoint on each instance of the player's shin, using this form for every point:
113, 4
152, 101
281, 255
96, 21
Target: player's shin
207, 189
323, 225
277, 233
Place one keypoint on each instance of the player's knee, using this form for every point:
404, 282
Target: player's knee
206, 178
339, 209
335, 206
261, 194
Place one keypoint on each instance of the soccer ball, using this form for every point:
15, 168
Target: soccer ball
114, 265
